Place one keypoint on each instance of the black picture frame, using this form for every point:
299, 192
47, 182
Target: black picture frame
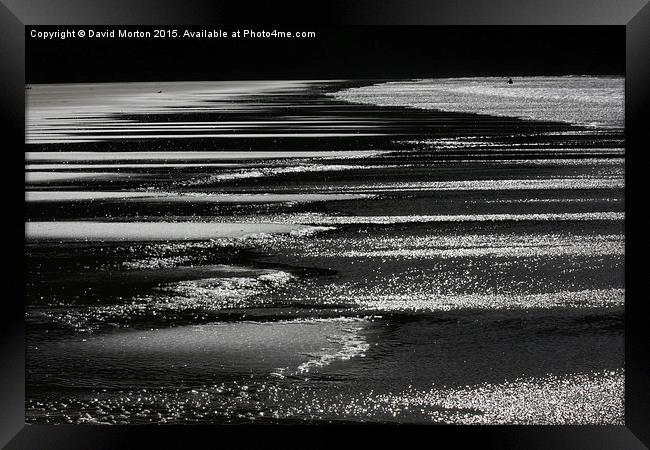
634, 15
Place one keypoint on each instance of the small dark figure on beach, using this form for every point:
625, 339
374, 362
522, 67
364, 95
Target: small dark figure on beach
510, 81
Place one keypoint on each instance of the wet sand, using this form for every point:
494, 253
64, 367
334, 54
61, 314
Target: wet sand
445, 267
153, 231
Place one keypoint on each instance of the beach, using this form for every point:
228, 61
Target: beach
416, 251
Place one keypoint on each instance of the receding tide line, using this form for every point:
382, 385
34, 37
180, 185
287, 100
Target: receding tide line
157, 231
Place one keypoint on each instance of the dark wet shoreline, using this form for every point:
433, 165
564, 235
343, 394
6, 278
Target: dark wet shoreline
98, 293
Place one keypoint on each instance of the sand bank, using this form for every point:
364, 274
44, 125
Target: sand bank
155, 231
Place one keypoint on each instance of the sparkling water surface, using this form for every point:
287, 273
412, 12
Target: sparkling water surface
420, 251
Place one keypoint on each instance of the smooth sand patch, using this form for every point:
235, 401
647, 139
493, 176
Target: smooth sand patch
67, 196
156, 231
193, 156
283, 347
50, 177
64, 166
166, 197
62, 139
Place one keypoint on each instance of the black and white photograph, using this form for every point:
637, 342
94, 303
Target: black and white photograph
325, 225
